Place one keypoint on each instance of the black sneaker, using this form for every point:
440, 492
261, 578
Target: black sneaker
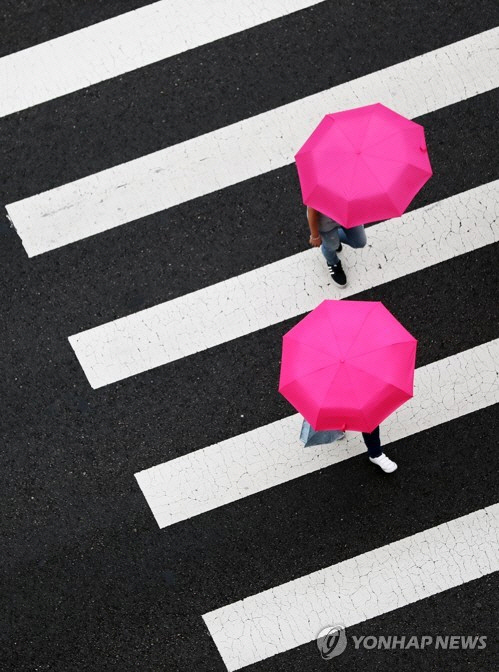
339, 248
338, 274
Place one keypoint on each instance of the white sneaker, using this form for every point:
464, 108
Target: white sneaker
385, 463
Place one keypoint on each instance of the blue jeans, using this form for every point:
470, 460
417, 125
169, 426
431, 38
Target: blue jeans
355, 237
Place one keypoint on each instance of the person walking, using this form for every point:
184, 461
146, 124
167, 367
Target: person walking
347, 366
329, 235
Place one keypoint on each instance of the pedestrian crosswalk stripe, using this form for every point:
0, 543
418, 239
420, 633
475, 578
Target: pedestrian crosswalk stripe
126, 42
284, 289
246, 149
357, 589
271, 455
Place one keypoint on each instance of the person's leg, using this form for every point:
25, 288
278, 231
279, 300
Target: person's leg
354, 237
330, 243
373, 442
376, 455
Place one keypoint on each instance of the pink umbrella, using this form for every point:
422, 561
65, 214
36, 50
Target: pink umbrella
363, 165
347, 365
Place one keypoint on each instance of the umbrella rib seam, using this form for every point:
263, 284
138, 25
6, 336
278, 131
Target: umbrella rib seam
321, 405
369, 122
314, 347
387, 137
359, 405
381, 347
359, 332
383, 189
377, 377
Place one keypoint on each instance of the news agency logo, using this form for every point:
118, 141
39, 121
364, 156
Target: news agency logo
332, 641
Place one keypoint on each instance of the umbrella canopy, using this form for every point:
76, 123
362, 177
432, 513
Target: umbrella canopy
363, 165
347, 365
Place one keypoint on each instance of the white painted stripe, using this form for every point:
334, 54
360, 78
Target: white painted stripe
127, 42
284, 289
271, 455
267, 141
357, 589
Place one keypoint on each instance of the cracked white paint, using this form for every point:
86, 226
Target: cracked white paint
284, 289
248, 148
126, 42
357, 589
271, 455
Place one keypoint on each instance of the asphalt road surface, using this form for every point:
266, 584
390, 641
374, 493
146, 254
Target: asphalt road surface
158, 511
